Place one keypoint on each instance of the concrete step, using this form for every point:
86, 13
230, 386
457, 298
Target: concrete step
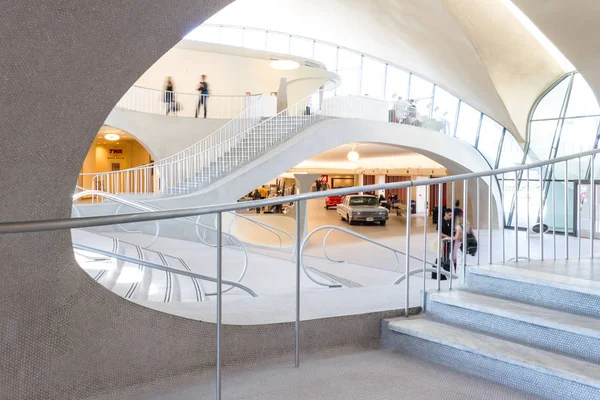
532, 370
572, 295
570, 334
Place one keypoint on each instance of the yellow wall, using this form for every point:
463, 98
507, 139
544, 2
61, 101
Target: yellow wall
100, 159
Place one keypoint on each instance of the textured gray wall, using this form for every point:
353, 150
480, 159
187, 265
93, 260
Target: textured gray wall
63, 66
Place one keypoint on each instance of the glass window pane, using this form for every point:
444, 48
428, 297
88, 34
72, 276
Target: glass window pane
209, 34
301, 47
421, 91
541, 138
444, 109
551, 104
511, 154
255, 39
396, 86
232, 36
349, 71
373, 76
556, 201
327, 55
350, 81
468, 122
582, 101
577, 135
489, 139
348, 60
278, 43
534, 200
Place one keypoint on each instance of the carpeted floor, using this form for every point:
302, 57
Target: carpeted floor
367, 375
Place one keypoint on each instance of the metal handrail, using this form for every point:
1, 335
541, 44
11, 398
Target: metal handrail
70, 223
195, 94
352, 233
122, 202
268, 227
164, 268
146, 207
140, 178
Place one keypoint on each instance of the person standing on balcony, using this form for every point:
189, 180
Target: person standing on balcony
169, 95
203, 100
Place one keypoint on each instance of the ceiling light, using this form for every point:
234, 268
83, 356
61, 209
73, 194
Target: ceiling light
353, 154
285, 65
112, 136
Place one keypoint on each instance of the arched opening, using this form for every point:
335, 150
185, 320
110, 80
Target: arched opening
112, 150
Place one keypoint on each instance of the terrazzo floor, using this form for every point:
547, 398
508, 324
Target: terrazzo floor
364, 375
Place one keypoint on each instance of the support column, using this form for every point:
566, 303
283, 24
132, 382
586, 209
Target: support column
304, 182
379, 180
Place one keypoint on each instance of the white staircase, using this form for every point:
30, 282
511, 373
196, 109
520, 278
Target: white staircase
135, 281
535, 331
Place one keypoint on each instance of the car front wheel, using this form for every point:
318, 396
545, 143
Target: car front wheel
350, 221
383, 223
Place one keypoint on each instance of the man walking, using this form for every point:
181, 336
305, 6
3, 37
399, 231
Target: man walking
203, 100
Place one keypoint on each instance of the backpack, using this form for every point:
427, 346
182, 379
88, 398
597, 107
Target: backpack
471, 244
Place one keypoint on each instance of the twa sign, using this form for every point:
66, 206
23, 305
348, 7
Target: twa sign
115, 151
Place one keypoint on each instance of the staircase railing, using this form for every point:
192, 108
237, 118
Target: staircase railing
235, 151
163, 268
153, 178
430, 266
579, 214
152, 101
246, 137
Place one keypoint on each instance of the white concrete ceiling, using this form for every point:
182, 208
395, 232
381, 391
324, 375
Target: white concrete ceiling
105, 130
574, 27
476, 49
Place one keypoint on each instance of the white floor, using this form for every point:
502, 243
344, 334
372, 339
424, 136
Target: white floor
369, 267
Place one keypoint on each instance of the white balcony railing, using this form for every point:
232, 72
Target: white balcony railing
154, 101
248, 136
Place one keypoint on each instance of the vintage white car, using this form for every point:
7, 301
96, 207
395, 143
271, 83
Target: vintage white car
362, 208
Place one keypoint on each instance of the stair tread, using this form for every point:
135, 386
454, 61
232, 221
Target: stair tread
537, 277
514, 310
528, 357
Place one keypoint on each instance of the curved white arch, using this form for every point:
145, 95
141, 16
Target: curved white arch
454, 154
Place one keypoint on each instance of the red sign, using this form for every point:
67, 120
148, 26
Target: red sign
323, 179
115, 151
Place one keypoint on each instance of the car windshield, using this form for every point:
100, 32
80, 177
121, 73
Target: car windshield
364, 201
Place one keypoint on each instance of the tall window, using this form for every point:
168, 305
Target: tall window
373, 77
327, 55
468, 122
489, 139
255, 39
349, 70
396, 84
301, 47
232, 36
444, 109
278, 43
421, 92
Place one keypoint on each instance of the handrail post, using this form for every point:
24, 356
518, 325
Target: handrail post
464, 229
490, 221
452, 227
219, 301
592, 205
298, 244
407, 269
566, 210
425, 221
516, 216
439, 253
